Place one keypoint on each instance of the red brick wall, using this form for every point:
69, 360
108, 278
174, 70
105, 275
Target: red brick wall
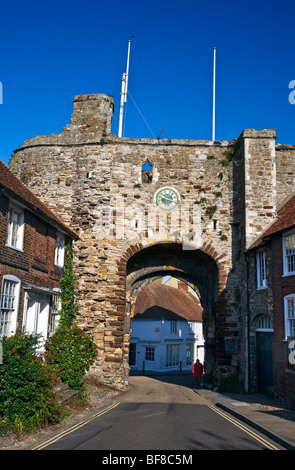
35, 264
284, 378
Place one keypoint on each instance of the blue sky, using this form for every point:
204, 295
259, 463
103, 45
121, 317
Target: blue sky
51, 51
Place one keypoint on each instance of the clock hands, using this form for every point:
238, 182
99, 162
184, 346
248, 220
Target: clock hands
170, 199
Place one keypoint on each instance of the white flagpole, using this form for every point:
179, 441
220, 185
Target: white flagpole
124, 90
213, 119
127, 71
121, 105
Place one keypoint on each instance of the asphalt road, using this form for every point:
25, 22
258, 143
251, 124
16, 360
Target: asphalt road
159, 414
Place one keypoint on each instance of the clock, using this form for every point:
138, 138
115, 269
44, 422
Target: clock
167, 198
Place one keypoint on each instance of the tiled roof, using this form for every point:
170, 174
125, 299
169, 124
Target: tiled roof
160, 301
13, 187
285, 220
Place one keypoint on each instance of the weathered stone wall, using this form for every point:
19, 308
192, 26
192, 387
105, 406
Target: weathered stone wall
94, 181
285, 171
260, 181
260, 305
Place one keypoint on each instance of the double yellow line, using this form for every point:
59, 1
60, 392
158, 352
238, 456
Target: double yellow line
75, 427
114, 405
244, 428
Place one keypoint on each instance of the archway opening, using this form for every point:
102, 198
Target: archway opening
166, 328
195, 270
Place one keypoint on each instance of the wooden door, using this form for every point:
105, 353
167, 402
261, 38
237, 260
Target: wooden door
264, 349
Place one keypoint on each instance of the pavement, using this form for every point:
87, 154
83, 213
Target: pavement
259, 412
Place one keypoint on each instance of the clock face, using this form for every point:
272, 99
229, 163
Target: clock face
167, 198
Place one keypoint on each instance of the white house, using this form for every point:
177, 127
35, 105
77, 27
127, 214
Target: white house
166, 330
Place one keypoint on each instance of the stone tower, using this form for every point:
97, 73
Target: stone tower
192, 215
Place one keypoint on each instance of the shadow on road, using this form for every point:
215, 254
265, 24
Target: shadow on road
184, 379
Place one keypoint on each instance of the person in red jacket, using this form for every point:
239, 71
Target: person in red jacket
198, 370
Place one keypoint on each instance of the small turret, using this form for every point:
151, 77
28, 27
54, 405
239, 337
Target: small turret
94, 112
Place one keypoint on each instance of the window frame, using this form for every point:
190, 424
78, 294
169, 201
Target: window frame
40, 302
59, 256
192, 327
132, 354
18, 243
173, 327
55, 301
8, 278
264, 324
172, 355
287, 318
150, 353
261, 269
189, 354
286, 271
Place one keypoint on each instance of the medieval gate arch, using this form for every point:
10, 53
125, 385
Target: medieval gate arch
198, 209
197, 269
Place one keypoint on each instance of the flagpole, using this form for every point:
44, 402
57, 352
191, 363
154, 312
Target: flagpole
124, 90
214, 72
127, 71
121, 105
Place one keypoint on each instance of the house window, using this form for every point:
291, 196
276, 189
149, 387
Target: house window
192, 327
291, 355
172, 355
9, 305
132, 354
173, 327
15, 228
189, 354
36, 314
149, 353
289, 307
60, 250
261, 269
289, 253
55, 316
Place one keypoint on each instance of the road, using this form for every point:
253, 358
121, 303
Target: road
161, 413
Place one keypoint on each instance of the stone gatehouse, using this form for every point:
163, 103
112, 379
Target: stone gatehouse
146, 207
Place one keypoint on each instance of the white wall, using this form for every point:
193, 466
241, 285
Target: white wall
157, 334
